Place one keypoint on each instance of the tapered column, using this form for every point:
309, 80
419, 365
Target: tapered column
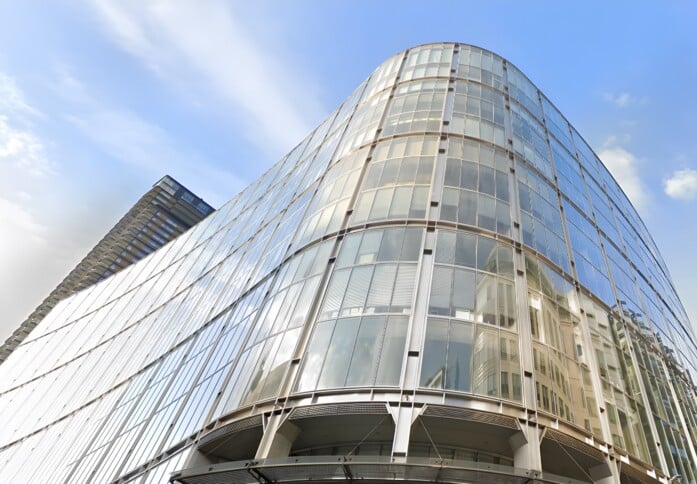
526, 448
278, 437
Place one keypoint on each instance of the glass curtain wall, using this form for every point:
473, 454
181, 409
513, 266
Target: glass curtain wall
445, 214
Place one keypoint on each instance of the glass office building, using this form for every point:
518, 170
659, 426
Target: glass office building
442, 282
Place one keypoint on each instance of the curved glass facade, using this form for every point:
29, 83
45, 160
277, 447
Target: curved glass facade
443, 273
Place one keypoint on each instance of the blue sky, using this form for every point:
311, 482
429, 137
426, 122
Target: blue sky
99, 99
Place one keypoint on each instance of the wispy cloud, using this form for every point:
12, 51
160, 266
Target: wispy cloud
68, 86
130, 139
20, 147
624, 166
258, 81
623, 99
12, 98
682, 184
29, 251
19, 227
24, 247
33, 257
45, 230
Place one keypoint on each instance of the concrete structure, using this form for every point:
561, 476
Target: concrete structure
166, 211
442, 282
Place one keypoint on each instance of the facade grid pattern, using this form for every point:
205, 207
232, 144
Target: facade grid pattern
166, 211
442, 272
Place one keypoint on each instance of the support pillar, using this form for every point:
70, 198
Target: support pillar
278, 437
403, 417
526, 448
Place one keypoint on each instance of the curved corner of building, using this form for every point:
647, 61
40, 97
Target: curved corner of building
442, 282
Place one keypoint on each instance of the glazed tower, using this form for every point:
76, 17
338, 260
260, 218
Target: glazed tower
442, 282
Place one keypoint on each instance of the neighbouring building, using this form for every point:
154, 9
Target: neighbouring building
166, 211
442, 282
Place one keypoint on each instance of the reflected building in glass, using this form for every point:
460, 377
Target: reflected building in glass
442, 282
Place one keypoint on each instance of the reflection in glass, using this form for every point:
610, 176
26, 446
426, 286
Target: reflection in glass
354, 352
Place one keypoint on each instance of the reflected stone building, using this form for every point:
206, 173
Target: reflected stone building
442, 282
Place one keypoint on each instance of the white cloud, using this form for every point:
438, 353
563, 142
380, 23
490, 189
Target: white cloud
623, 99
68, 86
23, 196
624, 167
20, 147
30, 257
34, 258
19, 227
12, 99
132, 140
23, 242
128, 138
204, 38
682, 185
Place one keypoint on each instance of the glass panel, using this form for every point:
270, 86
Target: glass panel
381, 288
439, 302
339, 353
435, 351
485, 371
315, 355
465, 250
392, 354
365, 359
459, 357
463, 294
